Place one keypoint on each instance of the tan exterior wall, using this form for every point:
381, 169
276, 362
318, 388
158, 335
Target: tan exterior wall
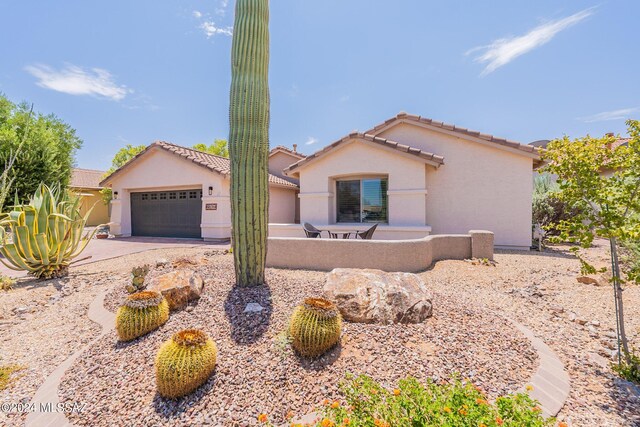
159, 170
396, 255
357, 159
93, 198
280, 160
479, 186
282, 205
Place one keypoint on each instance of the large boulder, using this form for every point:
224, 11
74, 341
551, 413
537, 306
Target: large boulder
178, 287
374, 296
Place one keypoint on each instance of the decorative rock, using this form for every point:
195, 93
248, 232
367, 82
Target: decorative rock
374, 296
161, 262
178, 287
580, 321
593, 279
253, 307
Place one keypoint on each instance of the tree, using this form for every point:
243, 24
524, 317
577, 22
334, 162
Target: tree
123, 155
602, 181
47, 150
219, 148
249, 140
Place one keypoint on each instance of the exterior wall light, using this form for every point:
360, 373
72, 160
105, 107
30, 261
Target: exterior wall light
210, 191
115, 195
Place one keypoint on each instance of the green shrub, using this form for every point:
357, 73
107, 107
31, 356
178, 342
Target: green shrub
548, 209
630, 257
6, 283
414, 404
629, 368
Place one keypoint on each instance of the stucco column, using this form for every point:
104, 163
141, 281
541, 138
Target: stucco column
481, 244
115, 227
216, 217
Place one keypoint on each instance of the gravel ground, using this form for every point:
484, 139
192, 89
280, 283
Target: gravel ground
257, 372
537, 289
576, 320
42, 323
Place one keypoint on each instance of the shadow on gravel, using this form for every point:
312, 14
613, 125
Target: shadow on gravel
626, 395
322, 362
173, 408
248, 327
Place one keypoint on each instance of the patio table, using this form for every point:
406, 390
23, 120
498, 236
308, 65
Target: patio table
342, 234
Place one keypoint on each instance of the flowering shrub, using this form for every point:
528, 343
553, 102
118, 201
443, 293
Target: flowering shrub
454, 403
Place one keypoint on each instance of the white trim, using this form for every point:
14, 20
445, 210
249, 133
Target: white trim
412, 192
213, 225
303, 195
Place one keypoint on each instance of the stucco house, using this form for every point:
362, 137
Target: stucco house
411, 175
173, 191
86, 184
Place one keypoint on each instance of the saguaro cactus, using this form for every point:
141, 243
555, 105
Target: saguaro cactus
249, 140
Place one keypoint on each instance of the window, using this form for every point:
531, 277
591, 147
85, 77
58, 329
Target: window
163, 196
182, 195
145, 196
154, 196
172, 196
362, 200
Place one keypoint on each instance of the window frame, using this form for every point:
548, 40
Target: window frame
361, 179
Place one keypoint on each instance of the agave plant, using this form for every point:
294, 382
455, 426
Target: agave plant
45, 235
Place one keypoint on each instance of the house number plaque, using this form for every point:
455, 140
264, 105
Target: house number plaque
211, 206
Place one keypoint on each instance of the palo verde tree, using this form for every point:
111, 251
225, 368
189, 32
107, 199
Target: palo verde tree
600, 179
249, 140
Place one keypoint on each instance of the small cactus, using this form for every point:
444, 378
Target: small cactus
141, 313
138, 275
184, 363
315, 327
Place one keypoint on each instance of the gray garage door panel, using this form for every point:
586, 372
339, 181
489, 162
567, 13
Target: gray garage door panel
167, 213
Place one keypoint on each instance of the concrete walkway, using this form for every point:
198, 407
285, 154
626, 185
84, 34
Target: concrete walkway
47, 394
102, 249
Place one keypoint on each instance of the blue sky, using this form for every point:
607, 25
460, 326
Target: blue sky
136, 71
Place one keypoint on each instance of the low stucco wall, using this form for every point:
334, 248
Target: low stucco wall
388, 255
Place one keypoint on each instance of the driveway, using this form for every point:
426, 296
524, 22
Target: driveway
101, 249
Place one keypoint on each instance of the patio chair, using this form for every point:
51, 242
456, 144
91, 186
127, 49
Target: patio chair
367, 234
311, 231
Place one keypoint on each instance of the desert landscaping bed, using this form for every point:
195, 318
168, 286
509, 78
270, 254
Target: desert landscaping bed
258, 373
538, 290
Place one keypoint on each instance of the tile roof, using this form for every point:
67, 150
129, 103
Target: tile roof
544, 142
287, 150
428, 157
453, 128
210, 161
86, 178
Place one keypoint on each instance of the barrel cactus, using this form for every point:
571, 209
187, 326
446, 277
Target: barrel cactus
184, 363
315, 327
141, 313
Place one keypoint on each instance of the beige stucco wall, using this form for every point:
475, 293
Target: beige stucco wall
479, 186
280, 160
357, 159
282, 205
92, 198
395, 255
159, 170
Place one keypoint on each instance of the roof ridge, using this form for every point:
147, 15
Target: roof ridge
88, 170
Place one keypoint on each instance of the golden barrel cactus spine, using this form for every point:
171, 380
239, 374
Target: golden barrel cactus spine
141, 313
184, 363
315, 327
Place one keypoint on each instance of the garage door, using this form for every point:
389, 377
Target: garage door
167, 213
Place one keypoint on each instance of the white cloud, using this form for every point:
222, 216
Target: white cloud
210, 29
620, 114
75, 80
311, 140
197, 14
222, 9
502, 51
